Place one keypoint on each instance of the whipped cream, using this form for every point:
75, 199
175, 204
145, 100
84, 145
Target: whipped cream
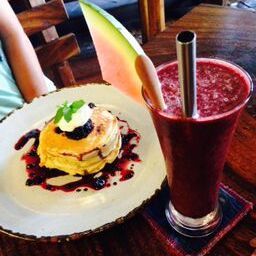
79, 118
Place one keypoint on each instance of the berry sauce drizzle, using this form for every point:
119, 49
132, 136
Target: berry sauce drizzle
121, 168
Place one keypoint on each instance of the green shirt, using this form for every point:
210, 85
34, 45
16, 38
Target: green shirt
10, 96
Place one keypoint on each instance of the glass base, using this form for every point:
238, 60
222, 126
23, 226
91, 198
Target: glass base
191, 227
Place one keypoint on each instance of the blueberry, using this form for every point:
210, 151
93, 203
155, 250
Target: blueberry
88, 126
99, 183
30, 166
32, 153
127, 138
76, 134
48, 187
35, 181
91, 105
58, 130
29, 182
38, 180
81, 131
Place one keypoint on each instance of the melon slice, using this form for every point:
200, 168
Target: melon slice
116, 50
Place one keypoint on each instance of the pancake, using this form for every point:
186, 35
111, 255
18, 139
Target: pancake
84, 156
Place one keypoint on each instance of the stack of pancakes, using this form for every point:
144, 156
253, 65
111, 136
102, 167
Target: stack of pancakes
87, 155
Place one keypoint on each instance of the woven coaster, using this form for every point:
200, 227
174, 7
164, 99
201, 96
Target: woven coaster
234, 208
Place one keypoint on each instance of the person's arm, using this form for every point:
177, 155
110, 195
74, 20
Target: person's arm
20, 54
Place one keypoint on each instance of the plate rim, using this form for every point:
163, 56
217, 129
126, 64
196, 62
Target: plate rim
85, 233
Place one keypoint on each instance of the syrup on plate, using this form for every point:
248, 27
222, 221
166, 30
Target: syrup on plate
122, 167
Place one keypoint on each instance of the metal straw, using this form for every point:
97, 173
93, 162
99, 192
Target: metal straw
186, 55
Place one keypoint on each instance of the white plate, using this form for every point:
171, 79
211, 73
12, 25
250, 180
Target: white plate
32, 212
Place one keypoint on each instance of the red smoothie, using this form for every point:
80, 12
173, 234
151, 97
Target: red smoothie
195, 148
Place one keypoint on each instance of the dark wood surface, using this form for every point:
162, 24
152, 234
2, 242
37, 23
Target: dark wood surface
224, 33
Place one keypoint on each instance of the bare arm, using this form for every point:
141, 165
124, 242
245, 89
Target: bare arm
20, 54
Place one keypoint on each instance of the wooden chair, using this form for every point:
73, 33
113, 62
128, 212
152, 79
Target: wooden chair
153, 16
54, 51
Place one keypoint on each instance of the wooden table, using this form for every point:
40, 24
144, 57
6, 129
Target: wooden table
222, 32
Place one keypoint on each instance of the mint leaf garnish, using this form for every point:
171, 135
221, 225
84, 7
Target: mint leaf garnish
67, 111
58, 115
76, 105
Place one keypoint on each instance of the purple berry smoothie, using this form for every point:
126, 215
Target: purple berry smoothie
195, 148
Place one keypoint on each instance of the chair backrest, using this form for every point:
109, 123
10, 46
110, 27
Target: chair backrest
152, 18
54, 52
152, 13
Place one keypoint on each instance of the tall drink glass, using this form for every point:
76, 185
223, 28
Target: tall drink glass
195, 148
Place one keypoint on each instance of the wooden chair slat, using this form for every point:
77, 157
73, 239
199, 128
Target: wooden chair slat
64, 73
152, 18
152, 13
43, 16
57, 51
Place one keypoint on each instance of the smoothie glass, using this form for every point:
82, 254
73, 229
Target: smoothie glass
195, 148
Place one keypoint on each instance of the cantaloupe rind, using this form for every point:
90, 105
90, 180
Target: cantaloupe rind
116, 50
